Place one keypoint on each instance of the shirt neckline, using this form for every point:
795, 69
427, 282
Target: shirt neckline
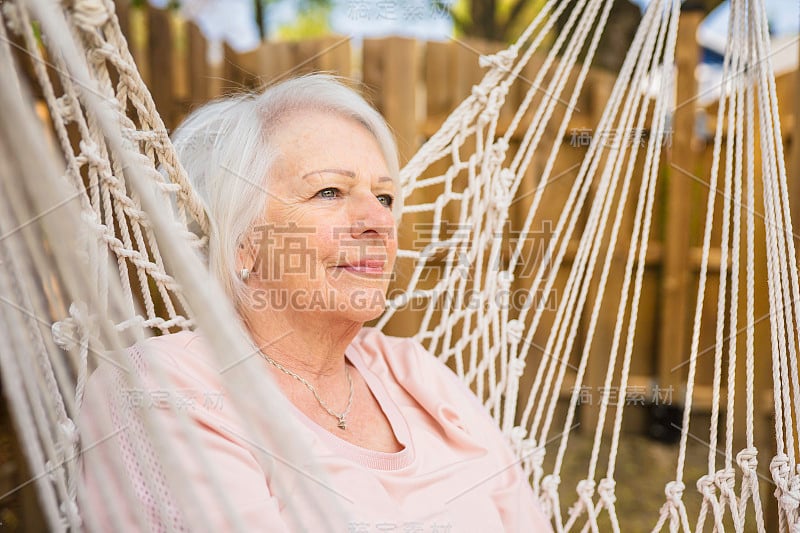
369, 458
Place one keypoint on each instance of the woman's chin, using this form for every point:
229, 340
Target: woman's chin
361, 305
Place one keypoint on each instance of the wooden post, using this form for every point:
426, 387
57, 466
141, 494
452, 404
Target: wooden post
199, 82
159, 41
121, 9
390, 70
439, 74
676, 262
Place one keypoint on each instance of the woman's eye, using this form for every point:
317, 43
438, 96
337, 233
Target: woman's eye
329, 193
386, 199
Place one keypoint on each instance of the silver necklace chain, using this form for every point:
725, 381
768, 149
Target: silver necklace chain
342, 418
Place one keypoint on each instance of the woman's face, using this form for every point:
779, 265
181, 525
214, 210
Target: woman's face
328, 243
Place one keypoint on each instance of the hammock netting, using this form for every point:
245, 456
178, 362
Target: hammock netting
94, 260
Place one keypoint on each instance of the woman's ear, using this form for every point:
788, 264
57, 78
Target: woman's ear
247, 252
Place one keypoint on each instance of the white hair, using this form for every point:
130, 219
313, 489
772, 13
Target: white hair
227, 148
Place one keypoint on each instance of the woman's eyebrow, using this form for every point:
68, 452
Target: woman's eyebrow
347, 173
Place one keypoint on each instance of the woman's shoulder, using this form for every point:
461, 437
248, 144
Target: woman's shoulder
430, 382
408, 362
180, 344
175, 359
378, 349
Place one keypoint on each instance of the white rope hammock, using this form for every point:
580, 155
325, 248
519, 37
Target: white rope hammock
89, 247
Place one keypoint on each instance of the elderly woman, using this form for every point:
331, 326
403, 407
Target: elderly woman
301, 185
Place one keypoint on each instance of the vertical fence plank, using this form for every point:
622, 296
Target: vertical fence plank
328, 54
121, 9
390, 70
199, 79
438, 80
160, 46
675, 312
281, 60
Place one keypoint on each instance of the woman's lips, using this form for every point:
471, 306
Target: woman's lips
368, 266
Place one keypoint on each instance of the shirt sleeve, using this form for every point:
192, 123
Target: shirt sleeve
156, 457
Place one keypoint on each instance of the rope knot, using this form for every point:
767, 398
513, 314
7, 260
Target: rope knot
491, 105
787, 491
69, 430
480, 93
100, 55
67, 332
706, 487
64, 332
517, 434
515, 329
496, 153
747, 459
50, 468
504, 279
789, 499
535, 453
65, 108
501, 194
585, 488
502, 60
779, 467
725, 480
549, 495
506, 178
674, 492
516, 367
500, 147
530, 449
550, 484
89, 14
70, 513
91, 151
607, 489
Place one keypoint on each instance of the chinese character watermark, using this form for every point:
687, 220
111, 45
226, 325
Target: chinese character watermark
615, 138
179, 399
631, 395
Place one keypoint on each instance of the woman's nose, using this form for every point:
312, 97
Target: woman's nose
371, 218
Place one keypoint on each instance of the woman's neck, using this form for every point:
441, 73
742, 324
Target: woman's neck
312, 346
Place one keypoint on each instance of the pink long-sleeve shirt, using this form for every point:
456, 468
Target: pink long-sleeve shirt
455, 472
